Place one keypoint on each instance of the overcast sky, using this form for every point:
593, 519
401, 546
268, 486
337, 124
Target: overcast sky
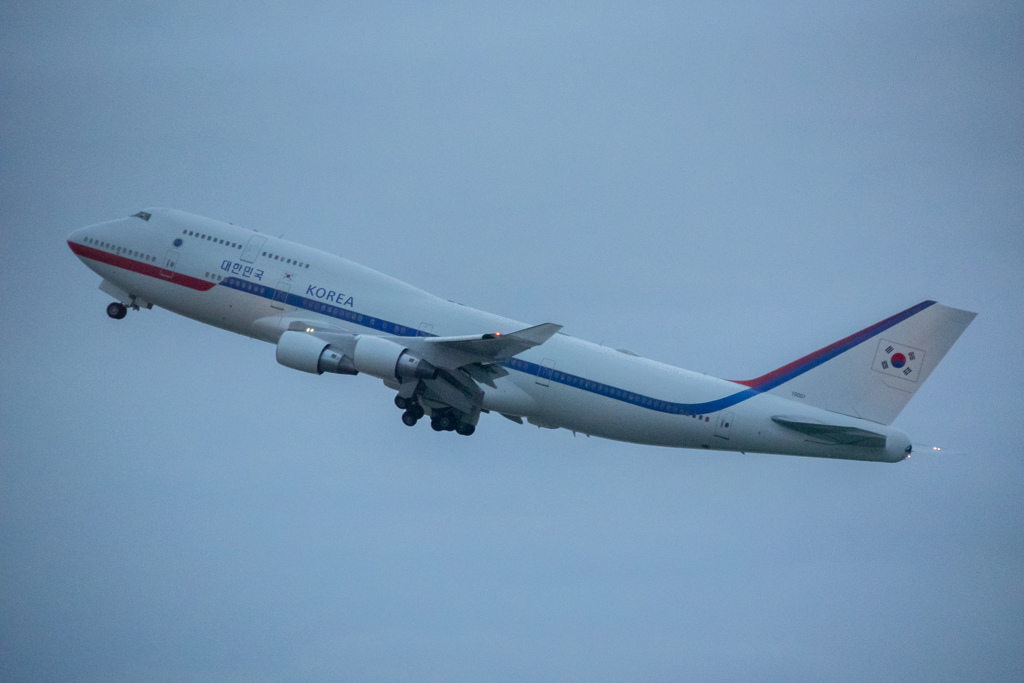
723, 188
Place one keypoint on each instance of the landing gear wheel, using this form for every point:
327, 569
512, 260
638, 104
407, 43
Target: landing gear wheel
416, 409
402, 402
442, 421
117, 310
409, 419
465, 429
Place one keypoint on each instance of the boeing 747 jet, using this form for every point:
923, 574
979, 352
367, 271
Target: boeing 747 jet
326, 314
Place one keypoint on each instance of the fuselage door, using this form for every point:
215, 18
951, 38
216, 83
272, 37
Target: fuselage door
253, 248
547, 371
724, 424
281, 295
170, 264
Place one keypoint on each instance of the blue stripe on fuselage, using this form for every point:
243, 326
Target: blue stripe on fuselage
549, 374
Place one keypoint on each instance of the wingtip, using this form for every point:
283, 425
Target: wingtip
538, 334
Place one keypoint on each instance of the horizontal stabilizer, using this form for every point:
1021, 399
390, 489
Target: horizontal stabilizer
834, 434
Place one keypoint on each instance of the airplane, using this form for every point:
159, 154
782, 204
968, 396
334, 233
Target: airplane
325, 314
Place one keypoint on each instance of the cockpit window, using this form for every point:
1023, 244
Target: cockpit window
143, 215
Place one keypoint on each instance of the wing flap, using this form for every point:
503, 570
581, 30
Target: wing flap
485, 373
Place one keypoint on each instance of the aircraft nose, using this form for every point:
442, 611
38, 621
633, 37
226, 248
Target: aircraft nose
78, 236
80, 241
85, 235
77, 241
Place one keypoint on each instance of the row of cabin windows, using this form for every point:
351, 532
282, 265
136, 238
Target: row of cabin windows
235, 245
211, 238
622, 394
574, 381
278, 257
120, 250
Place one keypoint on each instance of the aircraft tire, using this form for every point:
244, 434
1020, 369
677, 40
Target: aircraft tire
465, 429
409, 419
436, 426
116, 310
402, 402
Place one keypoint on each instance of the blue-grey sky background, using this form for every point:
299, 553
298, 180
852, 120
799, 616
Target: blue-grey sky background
723, 187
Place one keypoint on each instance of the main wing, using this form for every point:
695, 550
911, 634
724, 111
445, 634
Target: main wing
435, 375
481, 355
454, 396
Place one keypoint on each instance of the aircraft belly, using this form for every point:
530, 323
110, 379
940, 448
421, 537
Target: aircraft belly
509, 398
224, 308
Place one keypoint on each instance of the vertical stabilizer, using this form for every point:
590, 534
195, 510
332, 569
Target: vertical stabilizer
873, 373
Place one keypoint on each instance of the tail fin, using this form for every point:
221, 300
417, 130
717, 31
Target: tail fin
873, 373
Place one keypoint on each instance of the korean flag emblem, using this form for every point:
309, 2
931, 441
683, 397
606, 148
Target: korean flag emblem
898, 360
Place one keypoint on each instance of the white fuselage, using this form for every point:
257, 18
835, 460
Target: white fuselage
255, 285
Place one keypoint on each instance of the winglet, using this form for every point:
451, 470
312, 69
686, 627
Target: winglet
495, 346
536, 335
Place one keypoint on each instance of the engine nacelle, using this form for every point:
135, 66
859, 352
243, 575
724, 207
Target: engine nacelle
385, 359
305, 352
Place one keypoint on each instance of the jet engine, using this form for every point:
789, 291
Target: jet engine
305, 352
385, 359
353, 354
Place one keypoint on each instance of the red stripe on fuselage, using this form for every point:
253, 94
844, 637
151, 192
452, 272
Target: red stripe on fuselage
140, 267
798, 367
